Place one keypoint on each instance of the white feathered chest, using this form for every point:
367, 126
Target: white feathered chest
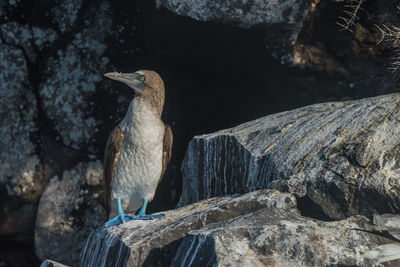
140, 164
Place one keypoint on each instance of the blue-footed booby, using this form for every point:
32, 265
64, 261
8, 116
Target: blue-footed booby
137, 151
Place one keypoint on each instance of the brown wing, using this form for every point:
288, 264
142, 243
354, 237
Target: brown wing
111, 159
167, 149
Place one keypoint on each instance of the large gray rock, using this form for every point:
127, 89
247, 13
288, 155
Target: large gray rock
344, 156
17, 123
154, 242
256, 229
68, 210
275, 237
50, 62
72, 73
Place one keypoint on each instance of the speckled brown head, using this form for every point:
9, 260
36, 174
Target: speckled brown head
146, 83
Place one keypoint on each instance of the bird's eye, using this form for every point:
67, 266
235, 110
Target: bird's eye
141, 78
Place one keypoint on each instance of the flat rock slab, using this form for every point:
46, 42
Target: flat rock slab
344, 156
275, 237
255, 229
154, 242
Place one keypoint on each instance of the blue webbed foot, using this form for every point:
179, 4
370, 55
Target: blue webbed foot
119, 219
142, 213
148, 216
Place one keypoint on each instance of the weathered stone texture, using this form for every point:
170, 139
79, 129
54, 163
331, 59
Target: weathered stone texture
242, 13
17, 123
131, 243
68, 210
255, 229
342, 155
275, 237
72, 74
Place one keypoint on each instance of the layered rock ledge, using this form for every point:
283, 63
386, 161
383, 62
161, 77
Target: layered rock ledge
255, 229
344, 156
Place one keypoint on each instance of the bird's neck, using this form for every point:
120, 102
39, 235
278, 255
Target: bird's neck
139, 111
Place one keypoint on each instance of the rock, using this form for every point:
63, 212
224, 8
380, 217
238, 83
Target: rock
17, 124
50, 263
385, 230
261, 227
68, 210
20, 223
132, 242
282, 19
275, 237
344, 156
73, 72
20, 185
241, 13
52, 58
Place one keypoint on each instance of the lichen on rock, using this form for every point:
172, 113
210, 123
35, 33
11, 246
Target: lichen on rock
18, 112
72, 74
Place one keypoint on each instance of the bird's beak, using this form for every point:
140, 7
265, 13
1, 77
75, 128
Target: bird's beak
130, 79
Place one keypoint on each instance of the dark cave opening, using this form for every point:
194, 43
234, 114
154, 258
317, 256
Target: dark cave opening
217, 76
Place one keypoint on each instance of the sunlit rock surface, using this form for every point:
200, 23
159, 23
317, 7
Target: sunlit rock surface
344, 156
275, 237
68, 210
385, 231
255, 229
154, 242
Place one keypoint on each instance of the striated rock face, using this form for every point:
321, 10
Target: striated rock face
344, 156
274, 237
133, 242
282, 19
256, 229
68, 210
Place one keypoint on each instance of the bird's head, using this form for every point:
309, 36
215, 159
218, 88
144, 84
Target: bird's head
146, 83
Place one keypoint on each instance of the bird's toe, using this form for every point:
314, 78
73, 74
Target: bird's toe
148, 216
119, 219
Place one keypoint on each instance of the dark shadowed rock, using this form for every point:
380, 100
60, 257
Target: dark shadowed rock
51, 58
344, 156
154, 242
73, 72
261, 228
283, 19
68, 210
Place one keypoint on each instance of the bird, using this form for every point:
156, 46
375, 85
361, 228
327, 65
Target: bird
137, 150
